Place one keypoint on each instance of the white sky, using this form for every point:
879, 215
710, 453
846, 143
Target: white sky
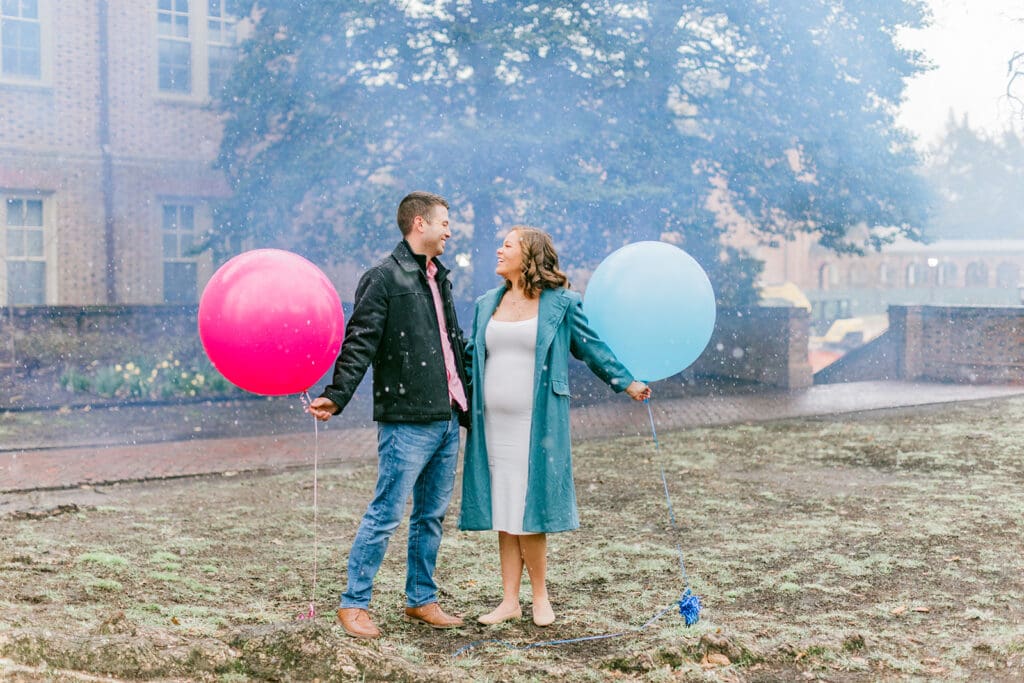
970, 42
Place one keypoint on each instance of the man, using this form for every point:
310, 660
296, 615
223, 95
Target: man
404, 324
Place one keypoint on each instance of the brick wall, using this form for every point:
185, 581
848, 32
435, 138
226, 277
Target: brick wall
73, 213
762, 345
59, 112
767, 346
970, 344
161, 149
58, 337
965, 344
141, 189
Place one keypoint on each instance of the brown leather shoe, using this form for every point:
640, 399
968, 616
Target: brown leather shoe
432, 615
357, 623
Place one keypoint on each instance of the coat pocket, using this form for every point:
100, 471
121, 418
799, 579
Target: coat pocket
560, 387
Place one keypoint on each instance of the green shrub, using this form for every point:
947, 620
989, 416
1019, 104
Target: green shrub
139, 379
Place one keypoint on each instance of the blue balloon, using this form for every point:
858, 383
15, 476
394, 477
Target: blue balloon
652, 303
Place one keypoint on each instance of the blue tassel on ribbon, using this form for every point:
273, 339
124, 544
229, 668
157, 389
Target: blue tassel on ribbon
689, 607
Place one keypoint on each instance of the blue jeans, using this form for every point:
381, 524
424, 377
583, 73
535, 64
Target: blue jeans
417, 459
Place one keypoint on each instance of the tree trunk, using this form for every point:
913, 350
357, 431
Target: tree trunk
485, 243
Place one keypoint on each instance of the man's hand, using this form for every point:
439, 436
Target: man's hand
322, 408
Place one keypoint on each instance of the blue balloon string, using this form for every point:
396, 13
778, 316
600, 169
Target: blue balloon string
688, 603
668, 501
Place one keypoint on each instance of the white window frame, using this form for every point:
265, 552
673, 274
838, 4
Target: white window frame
226, 37
45, 77
49, 247
175, 15
199, 39
202, 219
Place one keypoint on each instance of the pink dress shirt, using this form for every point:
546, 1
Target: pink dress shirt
455, 390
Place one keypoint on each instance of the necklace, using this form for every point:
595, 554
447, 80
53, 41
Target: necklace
516, 309
519, 306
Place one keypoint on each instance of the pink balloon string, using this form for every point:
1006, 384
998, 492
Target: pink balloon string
310, 613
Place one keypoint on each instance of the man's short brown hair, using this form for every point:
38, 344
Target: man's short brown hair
417, 204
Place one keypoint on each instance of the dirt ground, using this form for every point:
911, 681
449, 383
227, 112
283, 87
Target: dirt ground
869, 547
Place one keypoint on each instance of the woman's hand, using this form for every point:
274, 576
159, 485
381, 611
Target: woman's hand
638, 391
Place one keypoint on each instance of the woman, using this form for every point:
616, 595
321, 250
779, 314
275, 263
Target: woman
517, 477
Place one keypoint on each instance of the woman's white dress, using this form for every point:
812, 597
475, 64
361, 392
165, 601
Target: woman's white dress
508, 411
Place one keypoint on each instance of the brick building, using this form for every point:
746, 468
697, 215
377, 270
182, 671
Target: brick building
107, 141
945, 272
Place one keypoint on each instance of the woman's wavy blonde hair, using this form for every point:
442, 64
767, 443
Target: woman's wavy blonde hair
540, 261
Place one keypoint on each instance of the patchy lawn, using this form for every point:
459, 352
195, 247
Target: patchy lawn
878, 546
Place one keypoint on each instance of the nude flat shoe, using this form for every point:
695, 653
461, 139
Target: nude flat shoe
495, 618
543, 615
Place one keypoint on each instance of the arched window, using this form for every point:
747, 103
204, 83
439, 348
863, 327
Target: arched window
1007, 275
828, 277
857, 276
976, 275
947, 274
888, 275
917, 275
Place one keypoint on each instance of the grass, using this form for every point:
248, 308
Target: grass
872, 547
103, 559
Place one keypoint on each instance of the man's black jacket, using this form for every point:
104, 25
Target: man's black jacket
394, 327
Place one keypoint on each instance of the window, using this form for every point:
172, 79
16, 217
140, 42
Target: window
1007, 275
976, 275
857, 276
21, 50
173, 46
828, 276
221, 40
24, 252
947, 274
179, 262
916, 275
196, 45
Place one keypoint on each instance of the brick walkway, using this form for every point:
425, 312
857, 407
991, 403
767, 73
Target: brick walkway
53, 468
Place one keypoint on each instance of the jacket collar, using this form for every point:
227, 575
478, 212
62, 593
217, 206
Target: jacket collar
411, 261
489, 301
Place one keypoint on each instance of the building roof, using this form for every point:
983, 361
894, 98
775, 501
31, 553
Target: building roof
905, 246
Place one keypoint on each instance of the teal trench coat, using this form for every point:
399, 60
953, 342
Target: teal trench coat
562, 328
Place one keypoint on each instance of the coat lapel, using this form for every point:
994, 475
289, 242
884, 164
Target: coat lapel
553, 305
485, 309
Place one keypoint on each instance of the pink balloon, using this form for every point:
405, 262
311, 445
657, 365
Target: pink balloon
271, 322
